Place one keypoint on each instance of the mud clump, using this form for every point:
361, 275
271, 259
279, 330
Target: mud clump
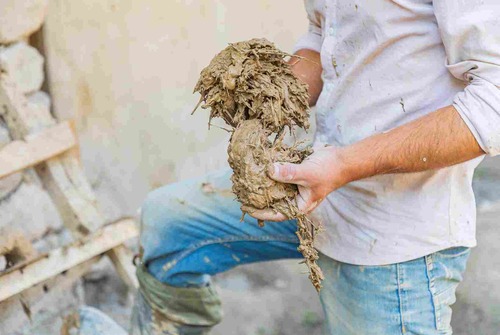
250, 80
251, 153
251, 86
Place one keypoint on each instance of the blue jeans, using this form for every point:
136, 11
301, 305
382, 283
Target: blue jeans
192, 230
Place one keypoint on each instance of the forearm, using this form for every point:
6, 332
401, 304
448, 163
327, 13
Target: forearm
434, 141
309, 71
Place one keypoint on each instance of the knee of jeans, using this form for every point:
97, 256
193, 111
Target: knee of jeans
161, 216
158, 203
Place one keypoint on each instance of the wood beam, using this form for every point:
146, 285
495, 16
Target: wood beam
19, 155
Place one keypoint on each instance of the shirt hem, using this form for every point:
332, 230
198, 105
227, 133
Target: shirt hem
350, 258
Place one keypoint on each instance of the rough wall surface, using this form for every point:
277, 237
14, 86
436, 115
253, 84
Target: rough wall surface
20, 18
23, 64
29, 221
10, 183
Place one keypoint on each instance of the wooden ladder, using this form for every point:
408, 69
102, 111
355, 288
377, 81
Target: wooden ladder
51, 148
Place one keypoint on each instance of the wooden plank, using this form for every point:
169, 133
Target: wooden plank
17, 310
19, 155
24, 276
63, 178
123, 259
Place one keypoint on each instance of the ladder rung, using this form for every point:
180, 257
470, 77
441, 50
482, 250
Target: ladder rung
19, 155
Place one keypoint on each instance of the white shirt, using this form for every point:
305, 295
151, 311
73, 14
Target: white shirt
386, 63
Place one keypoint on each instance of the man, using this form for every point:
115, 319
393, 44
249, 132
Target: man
408, 102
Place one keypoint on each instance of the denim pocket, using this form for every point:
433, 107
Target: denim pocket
445, 271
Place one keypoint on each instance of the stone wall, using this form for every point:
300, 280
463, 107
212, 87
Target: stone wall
24, 205
27, 212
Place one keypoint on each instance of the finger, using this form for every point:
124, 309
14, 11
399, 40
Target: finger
304, 203
288, 173
264, 214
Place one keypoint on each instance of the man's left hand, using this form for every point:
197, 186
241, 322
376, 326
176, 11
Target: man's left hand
317, 176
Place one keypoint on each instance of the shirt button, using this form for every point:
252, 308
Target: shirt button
331, 31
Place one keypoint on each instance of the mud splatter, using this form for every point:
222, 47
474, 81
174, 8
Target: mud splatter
207, 188
402, 103
334, 64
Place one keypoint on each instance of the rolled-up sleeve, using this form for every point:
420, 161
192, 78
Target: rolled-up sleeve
312, 40
470, 30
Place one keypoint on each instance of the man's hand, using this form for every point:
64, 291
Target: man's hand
317, 176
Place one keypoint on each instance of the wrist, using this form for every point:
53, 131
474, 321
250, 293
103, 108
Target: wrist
344, 166
358, 161
339, 168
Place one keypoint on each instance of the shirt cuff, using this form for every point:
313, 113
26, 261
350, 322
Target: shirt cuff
310, 41
479, 106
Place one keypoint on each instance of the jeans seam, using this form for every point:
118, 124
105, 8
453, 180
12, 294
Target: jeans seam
429, 265
266, 238
399, 276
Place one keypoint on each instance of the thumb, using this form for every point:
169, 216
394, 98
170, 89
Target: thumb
287, 173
